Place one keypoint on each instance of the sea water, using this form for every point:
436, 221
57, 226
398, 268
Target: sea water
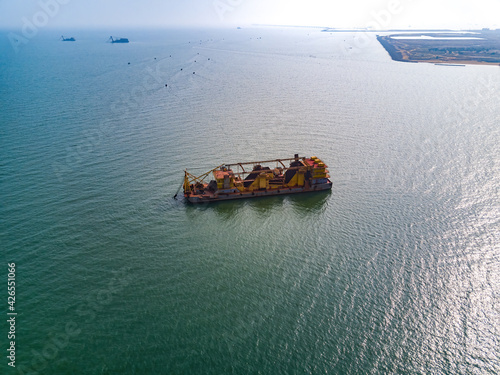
396, 270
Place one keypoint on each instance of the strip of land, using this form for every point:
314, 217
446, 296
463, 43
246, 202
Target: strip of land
468, 47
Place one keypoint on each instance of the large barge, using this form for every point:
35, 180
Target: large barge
257, 179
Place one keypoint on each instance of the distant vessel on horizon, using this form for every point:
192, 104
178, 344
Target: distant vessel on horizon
118, 40
67, 39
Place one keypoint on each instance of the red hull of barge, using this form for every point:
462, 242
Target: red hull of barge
265, 193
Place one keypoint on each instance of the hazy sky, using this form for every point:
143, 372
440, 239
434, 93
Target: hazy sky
220, 13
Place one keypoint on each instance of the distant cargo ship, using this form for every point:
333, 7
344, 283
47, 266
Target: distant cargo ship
118, 40
302, 175
67, 39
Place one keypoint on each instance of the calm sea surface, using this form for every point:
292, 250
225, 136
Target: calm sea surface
396, 270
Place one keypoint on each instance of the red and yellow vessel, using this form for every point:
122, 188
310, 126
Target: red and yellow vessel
257, 179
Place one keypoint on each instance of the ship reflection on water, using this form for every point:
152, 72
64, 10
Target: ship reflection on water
302, 205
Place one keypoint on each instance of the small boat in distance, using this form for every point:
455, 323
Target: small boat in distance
118, 40
67, 39
302, 175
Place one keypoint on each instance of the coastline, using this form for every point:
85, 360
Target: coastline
444, 48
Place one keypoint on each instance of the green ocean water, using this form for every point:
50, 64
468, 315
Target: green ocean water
395, 271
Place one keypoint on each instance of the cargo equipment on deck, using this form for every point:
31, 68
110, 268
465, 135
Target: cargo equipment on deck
255, 179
